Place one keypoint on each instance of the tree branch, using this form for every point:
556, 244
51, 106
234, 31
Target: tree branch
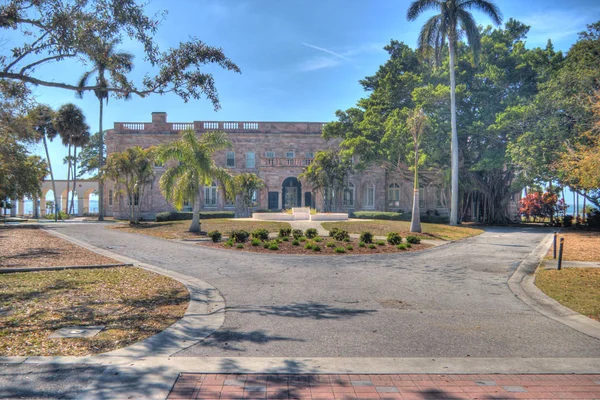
58, 57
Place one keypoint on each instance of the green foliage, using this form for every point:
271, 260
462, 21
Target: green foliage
361, 244
216, 214
380, 243
285, 239
273, 246
341, 235
372, 246
245, 187
215, 235
261, 234
339, 250
402, 246
297, 233
295, 242
318, 239
333, 231
285, 232
413, 239
330, 244
255, 242
366, 237
266, 245
384, 215
228, 243
239, 236
308, 246
316, 247
302, 239
350, 247
239, 246
61, 215
394, 238
311, 233
188, 215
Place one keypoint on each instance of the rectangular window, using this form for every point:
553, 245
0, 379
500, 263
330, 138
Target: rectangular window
210, 196
250, 163
270, 154
230, 159
310, 154
289, 154
370, 197
136, 199
439, 199
110, 197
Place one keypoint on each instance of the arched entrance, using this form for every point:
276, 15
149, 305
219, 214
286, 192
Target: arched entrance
292, 193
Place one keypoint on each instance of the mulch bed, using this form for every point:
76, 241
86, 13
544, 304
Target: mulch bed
288, 248
29, 246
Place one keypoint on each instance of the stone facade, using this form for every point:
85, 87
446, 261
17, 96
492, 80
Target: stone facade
277, 152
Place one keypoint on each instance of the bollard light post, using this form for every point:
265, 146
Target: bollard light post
560, 252
555, 233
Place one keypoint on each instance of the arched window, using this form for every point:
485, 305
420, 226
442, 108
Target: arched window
210, 195
394, 195
369, 196
348, 200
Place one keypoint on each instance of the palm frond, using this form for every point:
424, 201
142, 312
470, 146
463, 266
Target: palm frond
487, 7
417, 7
470, 29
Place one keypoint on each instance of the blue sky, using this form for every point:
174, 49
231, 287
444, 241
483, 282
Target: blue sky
301, 60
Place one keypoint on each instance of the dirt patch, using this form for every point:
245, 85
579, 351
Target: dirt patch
289, 248
30, 246
132, 303
579, 246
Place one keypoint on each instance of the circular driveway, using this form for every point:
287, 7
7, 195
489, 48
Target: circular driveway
449, 301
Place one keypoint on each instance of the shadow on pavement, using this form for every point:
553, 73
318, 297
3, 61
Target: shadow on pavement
303, 310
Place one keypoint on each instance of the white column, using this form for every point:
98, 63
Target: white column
80, 202
43, 205
13, 210
22, 207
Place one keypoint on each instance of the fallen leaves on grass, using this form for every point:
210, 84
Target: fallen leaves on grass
132, 303
576, 288
30, 246
579, 246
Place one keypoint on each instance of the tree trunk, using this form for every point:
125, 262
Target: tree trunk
415, 222
68, 175
100, 165
72, 208
583, 211
454, 145
195, 225
52, 179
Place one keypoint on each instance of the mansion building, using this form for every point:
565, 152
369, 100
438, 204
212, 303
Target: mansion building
277, 152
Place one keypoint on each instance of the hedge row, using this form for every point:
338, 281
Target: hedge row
387, 215
183, 215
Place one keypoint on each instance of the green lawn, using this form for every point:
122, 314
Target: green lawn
576, 288
179, 229
382, 228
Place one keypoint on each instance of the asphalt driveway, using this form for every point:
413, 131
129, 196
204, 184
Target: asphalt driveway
450, 301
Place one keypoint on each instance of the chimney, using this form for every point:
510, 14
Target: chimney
159, 117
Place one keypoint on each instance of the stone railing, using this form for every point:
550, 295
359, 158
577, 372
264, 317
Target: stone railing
229, 127
285, 162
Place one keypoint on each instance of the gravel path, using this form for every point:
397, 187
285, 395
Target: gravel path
450, 301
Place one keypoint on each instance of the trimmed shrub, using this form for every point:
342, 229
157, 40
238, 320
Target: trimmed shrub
285, 239
394, 238
380, 243
408, 245
295, 242
308, 246
361, 244
278, 240
215, 235
216, 214
297, 233
402, 246
318, 239
316, 247
311, 233
593, 219
413, 239
239, 236
341, 234
255, 242
372, 246
350, 247
273, 246
61, 215
330, 244
228, 243
390, 216
261, 234
240, 246
302, 239
285, 232
339, 250
266, 245
333, 231
366, 237
186, 215
567, 221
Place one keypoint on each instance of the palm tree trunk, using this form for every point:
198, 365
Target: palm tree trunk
415, 223
68, 175
195, 225
454, 145
52, 179
100, 165
72, 209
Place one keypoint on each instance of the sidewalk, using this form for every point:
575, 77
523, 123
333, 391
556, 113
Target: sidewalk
551, 264
390, 386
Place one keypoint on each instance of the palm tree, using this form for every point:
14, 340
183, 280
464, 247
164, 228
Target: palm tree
193, 168
80, 140
105, 59
451, 24
70, 124
41, 118
417, 125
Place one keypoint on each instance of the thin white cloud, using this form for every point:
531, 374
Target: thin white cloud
324, 50
319, 63
334, 59
544, 24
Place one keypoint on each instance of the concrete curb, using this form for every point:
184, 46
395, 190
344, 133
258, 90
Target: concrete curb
205, 313
60, 268
522, 284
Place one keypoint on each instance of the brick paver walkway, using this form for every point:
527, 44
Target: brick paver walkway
404, 386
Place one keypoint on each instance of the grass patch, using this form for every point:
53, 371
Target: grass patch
179, 229
133, 304
382, 228
576, 288
579, 246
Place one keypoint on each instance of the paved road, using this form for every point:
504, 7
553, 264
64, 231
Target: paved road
451, 301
